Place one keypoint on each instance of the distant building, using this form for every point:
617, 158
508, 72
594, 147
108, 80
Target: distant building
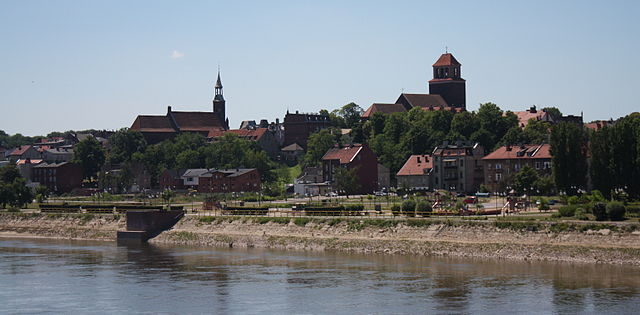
57, 155
447, 91
291, 154
532, 113
599, 124
58, 177
230, 180
172, 179
458, 167
191, 177
311, 183
264, 137
24, 152
356, 156
501, 164
298, 127
416, 173
156, 129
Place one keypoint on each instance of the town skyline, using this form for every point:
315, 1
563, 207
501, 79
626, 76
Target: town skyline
305, 58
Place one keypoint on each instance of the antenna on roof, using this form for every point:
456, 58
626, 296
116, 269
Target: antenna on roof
446, 49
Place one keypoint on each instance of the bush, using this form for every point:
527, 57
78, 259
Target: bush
573, 200
423, 207
599, 211
409, 208
615, 211
395, 209
581, 214
567, 211
544, 204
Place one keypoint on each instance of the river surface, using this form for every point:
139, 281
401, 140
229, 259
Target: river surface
63, 277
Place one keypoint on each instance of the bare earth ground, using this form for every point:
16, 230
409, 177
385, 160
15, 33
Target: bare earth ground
480, 239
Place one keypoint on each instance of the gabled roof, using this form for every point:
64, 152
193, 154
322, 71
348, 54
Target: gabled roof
345, 155
383, 108
194, 172
20, 150
524, 116
416, 165
293, 147
446, 59
153, 124
423, 100
527, 151
196, 121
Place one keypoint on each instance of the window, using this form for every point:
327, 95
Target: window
460, 174
461, 162
498, 166
547, 165
537, 165
498, 176
516, 167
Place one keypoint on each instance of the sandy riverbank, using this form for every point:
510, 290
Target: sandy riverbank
568, 242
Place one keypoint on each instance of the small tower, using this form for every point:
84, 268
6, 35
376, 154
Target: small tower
219, 103
447, 81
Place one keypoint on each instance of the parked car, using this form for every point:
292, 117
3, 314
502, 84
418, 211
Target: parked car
471, 200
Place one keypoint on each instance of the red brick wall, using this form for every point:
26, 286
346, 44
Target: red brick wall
219, 183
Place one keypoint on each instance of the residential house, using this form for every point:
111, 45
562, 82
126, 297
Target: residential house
291, 154
171, 179
501, 164
191, 177
59, 178
57, 155
599, 124
355, 156
532, 113
311, 183
416, 173
25, 167
230, 180
24, 152
458, 167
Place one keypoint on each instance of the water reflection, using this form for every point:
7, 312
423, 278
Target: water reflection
152, 278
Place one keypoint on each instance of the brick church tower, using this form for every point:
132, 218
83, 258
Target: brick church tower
447, 81
219, 103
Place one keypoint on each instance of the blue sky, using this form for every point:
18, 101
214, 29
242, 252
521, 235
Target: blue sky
97, 64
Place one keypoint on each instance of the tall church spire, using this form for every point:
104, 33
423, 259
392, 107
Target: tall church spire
219, 102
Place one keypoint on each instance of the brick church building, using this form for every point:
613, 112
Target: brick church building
157, 128
447, 91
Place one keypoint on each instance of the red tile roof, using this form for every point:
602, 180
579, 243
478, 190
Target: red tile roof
383, 108
524, 116
345, 155
20, 150
528, 151
153, 124
253, 135
446, 60
30, 161
598, 124
416, 165
425, 100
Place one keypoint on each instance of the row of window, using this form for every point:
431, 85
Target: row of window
516, 167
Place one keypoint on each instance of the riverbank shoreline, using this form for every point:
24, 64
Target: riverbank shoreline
600, 243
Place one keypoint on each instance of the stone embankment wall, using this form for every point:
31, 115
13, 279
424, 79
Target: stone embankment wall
568, 242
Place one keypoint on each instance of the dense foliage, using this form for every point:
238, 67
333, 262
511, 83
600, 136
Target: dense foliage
13, 191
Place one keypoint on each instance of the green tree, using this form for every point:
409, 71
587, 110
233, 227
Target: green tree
465, 124
123, 144
568, 151
351, 114
346, 180
90, 155
524, 181
317, 145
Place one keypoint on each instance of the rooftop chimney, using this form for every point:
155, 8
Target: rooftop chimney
168, 109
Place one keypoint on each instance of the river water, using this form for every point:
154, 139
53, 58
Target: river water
62, 277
